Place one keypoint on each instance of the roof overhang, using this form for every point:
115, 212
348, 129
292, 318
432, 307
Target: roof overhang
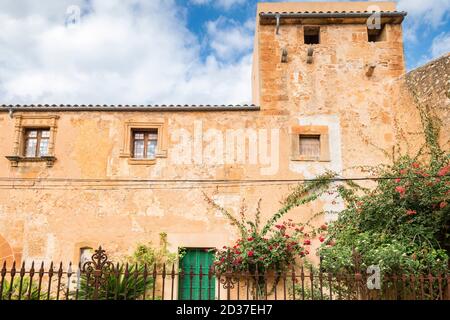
147, 108
313, 18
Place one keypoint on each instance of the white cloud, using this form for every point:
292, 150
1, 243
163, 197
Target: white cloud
441, 45
133, 51
230, 39
433, 13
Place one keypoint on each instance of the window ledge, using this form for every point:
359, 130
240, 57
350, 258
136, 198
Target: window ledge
306, 159
143, 162
15, 160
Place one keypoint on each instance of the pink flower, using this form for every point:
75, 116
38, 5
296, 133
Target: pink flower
403, 171
411, 212
416, 165
307, 242
400, 190
321, 239
398, 180
324, 227
250, 239
443, 205
250, 253
444, 171
224, 247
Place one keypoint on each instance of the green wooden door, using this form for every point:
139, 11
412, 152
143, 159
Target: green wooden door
192, 260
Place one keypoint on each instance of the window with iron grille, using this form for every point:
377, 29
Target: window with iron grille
309, 146
36, 142
145, 144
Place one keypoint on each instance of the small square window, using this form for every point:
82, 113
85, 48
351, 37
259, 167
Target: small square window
309, 146
311, 35
377, 34
145, 144
36, 143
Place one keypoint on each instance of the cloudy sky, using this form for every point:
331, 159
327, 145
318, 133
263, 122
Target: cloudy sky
154, 51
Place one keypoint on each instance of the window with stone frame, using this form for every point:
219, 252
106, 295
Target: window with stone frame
36, 142
145, 143
310, 143
309, 146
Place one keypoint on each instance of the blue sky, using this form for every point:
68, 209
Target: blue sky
155, 51
419, 36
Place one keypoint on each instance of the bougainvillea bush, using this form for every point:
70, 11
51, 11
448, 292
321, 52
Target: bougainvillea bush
274, 246
279, 249
402, 225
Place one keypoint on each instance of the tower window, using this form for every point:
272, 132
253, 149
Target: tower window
311, 35
377, 34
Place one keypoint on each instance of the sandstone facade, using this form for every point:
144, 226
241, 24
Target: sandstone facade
95, 193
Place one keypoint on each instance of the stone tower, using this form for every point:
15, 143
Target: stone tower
321, 56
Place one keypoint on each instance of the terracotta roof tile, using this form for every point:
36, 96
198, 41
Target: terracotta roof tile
126, 107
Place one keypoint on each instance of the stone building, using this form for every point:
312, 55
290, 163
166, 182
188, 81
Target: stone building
329, 91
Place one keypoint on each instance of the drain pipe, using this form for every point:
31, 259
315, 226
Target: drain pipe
278, 17
11, 113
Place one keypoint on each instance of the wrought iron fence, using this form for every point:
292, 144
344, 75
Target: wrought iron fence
100, 279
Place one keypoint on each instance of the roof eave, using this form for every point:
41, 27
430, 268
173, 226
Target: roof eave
331, 17
121, 108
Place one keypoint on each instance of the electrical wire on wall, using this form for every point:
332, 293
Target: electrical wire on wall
112, 184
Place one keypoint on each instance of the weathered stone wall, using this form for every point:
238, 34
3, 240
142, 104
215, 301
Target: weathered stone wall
425, 88
83, 199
